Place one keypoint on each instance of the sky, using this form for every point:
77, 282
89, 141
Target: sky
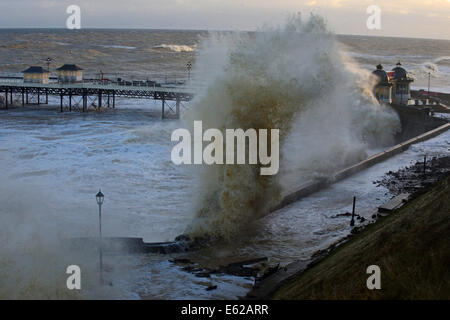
399, 18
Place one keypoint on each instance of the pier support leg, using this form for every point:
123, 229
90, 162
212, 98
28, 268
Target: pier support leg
108, 100
70, 101
46, 96
163, 106
84, 102
11, 96
178, 108
6, 98
99, 99
39, 97
23, 97
114, 101
26, 95
61, 102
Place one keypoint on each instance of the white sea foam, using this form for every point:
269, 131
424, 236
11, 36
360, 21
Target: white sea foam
296, 79
118, 47
176, 47
422, 70
432, 67
442, 59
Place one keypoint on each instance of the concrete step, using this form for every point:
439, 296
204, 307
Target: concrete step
394, 203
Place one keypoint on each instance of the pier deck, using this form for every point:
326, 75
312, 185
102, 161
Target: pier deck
97, 95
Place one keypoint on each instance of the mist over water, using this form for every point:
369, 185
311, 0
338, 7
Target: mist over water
55, 164
296, 79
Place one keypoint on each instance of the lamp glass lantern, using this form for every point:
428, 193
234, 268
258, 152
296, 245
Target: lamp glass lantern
189, 67
99, 197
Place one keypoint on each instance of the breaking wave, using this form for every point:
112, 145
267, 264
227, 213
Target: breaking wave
176, 48
294, 78
431, 67
422, 70
443, 60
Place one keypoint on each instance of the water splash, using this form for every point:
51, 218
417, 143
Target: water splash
294, 78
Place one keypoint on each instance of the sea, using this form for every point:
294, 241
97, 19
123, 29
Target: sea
162, 55
52, 164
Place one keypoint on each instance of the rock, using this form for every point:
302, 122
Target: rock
239, 271
191, 269
269, 272
181, 261
183, 238
193, 243
211, 288
203, 275
248, 262
355, 230
346, 214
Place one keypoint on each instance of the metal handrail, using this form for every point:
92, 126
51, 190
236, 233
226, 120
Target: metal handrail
91, 85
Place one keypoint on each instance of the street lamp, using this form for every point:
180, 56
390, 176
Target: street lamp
189, 67
48, 64
100, 198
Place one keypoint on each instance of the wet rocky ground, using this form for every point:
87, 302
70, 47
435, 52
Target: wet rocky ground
256, 269
416, 178
413, 180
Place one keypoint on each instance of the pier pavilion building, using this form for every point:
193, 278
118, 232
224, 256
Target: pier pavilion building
401, 90
70, 73
36, 74
383, 86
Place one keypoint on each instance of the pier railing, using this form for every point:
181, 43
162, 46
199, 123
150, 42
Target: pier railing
97, 85
103, 92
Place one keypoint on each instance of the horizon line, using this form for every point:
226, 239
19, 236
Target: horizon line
206, 30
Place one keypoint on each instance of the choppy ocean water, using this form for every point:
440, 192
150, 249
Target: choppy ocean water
162, 55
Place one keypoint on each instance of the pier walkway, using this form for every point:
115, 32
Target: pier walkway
84, 95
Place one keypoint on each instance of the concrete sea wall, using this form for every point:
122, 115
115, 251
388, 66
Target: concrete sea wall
414, 121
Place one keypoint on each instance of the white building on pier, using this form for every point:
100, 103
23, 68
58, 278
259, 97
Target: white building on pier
69, 73
36, 74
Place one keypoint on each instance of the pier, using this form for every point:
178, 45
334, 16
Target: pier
82, 96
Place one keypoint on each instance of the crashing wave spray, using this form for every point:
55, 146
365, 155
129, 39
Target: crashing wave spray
296, 79
176, 47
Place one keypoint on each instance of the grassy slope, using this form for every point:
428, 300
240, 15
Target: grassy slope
411, 246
